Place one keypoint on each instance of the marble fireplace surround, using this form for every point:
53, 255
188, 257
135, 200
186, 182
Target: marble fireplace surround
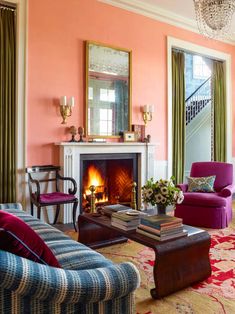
70, 154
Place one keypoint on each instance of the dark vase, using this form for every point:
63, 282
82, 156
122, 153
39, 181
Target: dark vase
161, 209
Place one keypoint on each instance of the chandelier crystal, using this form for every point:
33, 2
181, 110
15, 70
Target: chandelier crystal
214, 17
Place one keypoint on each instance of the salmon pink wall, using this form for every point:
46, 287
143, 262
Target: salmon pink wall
57, 31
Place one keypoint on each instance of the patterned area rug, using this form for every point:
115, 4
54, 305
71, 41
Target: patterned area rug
216, 295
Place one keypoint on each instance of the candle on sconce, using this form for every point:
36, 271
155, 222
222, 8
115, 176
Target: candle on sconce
145, 108
71, 101
151, 108
63, 100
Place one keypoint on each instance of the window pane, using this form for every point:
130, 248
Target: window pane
111, 95
90, 93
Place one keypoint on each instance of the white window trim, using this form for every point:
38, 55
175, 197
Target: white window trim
207, 52
21, 75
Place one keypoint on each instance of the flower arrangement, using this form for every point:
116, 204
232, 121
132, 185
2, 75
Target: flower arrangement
162, 192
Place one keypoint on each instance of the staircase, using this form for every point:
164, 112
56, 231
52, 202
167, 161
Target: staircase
198, 100
198, 125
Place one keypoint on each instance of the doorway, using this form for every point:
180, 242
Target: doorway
174, 43
198, 110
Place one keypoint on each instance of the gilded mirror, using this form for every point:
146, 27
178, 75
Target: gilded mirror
108, 90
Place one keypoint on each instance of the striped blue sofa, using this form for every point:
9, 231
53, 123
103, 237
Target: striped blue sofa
88, 282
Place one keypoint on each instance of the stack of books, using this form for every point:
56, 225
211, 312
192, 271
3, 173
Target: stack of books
125, 220
161, 227
108, 210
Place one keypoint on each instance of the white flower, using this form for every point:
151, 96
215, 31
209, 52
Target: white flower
163, 201
175, 195
158, 198
164, 190
180, 197
149, 192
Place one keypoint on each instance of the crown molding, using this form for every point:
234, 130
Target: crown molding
159, 14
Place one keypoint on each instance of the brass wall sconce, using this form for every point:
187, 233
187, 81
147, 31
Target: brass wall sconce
66, 108
147, 113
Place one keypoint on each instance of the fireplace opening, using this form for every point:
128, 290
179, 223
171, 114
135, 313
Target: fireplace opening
111, 174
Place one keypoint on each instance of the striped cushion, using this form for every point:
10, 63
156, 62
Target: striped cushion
70, 254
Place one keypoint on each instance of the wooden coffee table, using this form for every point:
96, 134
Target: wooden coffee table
179, 263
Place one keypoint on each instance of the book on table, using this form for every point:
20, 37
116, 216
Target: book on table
161, 221
173, 228
123, 227
124, 220
161, 237
113, 208
134, 222
126, 216
156, 231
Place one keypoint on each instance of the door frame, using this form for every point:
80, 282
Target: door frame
210, 53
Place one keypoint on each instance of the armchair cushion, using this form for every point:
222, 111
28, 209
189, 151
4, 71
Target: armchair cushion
204, 199
20, 239
55, 197
201, 184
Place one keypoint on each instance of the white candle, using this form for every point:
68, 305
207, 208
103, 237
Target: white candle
71, 101
145, 108
63, 100
151, 108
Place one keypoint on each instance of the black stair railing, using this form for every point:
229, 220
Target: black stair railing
198, 100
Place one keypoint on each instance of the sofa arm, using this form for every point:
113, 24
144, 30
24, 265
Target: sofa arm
227, 191
45, 283
11, 206
183, 187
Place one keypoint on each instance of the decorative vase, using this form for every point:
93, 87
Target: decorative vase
161, 209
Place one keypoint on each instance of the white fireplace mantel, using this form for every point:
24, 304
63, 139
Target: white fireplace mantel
70, 153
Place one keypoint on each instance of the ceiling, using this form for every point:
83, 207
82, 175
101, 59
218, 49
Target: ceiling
175, 6
177, 12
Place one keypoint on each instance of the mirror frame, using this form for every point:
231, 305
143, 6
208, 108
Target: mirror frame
88, 42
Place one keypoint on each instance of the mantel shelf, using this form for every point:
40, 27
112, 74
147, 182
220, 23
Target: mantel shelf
105, 144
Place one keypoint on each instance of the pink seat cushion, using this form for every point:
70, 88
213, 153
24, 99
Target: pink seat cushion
55, 197
20, 239
204, 199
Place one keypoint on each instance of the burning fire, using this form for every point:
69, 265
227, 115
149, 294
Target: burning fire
95, 178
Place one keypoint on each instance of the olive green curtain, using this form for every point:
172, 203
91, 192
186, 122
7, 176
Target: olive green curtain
7, 106
219, 101
178, 115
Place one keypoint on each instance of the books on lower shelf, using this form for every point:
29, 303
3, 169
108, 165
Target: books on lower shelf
161, 227
125, 221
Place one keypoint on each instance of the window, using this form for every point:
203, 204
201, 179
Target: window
201, 70
106, 120
107, 95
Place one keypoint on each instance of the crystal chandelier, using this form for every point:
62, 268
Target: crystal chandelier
214, 17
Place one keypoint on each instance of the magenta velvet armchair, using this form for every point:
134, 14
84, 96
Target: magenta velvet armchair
210, 210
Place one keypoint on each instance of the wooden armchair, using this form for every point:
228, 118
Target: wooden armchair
53, 198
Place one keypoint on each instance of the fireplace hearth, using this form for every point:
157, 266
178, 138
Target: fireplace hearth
112, 175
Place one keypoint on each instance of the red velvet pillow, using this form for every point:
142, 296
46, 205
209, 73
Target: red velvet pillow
20, 239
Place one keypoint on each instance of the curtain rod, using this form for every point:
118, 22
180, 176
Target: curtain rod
7, 6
